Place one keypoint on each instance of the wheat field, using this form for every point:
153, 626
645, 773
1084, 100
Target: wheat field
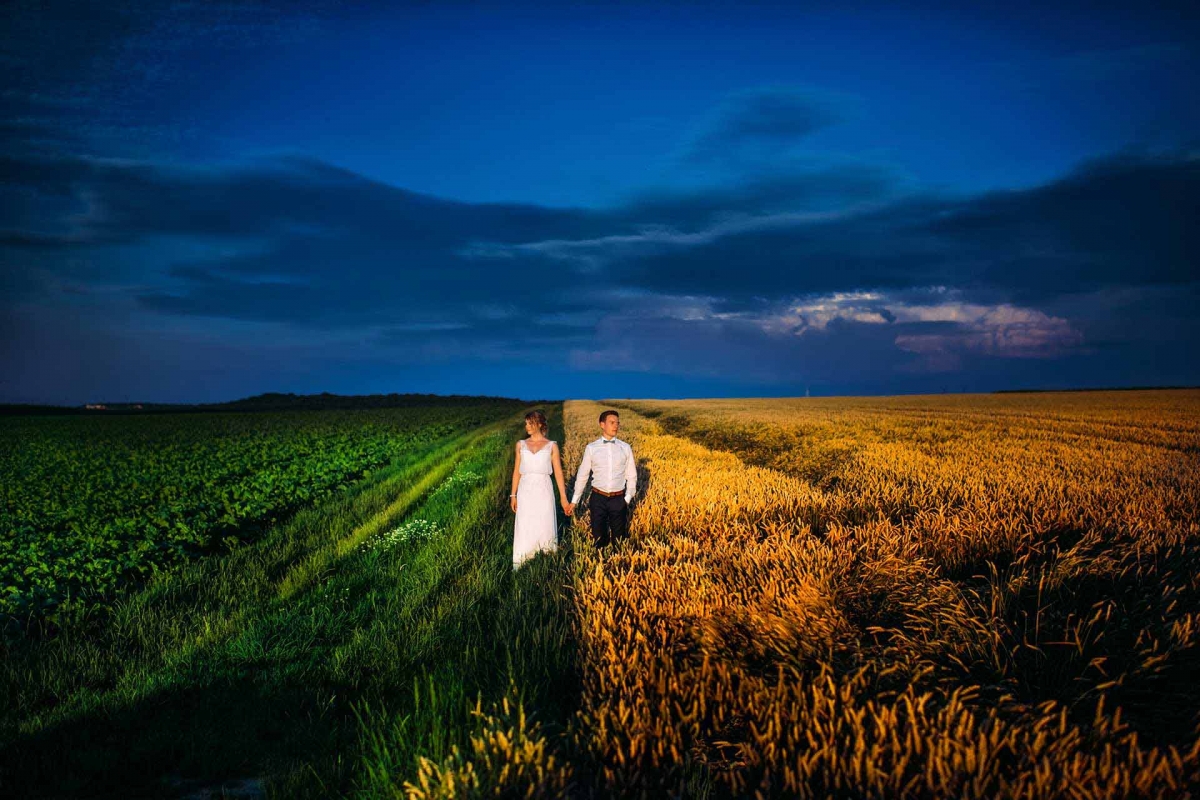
971, 596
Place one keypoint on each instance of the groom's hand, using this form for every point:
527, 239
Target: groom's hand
569, 508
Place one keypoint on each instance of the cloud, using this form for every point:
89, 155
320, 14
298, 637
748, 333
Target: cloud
738, 347
1116, 221
1004, 331
763, 122
1122, 219
287, 240
131, 199
815, 313
815, 190
932, 330
747, 282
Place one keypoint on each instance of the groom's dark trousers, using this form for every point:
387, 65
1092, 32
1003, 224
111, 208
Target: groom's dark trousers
610, 518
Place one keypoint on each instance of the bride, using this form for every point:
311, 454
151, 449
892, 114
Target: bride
532, 495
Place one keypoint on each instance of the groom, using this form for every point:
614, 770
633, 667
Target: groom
609, 462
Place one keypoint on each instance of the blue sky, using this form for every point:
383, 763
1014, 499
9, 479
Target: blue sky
205, 201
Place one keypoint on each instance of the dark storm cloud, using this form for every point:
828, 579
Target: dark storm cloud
778, 192
286, 241
135, 199
1126, 220
1116, 221
753, 280
339, 281
338, 249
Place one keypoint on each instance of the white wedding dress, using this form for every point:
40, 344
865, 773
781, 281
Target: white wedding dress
536, 527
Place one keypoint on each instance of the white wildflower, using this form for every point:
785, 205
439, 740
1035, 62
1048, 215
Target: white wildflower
412, 530
460, 477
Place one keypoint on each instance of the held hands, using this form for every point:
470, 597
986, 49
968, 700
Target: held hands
567, 507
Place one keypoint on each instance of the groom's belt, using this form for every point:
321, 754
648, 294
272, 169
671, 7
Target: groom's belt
608, 494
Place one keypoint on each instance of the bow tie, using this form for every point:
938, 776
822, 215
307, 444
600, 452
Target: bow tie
608, 441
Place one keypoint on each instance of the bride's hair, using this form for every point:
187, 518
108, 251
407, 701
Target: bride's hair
539, 419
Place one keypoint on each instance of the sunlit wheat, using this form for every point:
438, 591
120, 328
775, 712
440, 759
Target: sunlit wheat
940, 597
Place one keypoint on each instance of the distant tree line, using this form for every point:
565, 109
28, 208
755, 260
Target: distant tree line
270, 401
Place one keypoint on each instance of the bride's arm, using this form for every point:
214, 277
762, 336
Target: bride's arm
516, 478
556, 459
558, 473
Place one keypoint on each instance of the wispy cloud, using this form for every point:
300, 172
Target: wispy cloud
763, 123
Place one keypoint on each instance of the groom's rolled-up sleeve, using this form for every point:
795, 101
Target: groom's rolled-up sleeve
585, 468
630, 475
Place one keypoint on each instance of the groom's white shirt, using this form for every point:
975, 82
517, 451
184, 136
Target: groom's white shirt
610, 462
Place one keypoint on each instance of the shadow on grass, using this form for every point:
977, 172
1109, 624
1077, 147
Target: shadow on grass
237, 729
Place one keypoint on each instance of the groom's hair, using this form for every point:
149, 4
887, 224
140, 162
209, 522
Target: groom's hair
606, 414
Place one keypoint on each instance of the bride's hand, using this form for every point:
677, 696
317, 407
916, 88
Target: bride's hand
512, 501
568, 507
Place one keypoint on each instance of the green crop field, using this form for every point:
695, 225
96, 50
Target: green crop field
90, 504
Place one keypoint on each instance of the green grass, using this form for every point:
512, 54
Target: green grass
311, 658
